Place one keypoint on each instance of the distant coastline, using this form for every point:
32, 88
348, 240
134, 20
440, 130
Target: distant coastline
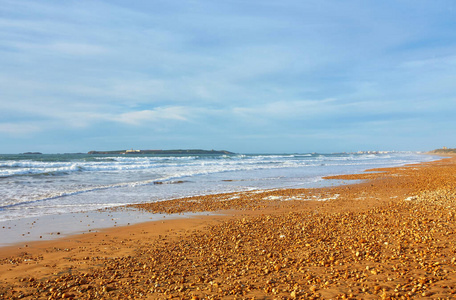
443, 150
171, 152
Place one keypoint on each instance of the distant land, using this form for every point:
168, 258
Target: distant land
444, 150
178, 151
34, 153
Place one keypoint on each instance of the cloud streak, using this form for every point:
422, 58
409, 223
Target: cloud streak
152, 116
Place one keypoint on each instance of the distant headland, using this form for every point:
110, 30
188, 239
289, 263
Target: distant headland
443, 150
172, 152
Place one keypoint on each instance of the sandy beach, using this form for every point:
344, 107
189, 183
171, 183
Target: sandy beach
389, 236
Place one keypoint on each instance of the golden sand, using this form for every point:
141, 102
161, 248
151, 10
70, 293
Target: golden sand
390, 237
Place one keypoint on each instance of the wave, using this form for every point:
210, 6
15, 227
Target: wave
60, 194
96, 179
177, 176
161, 164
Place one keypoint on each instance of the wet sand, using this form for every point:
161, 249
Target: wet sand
22, 232
390, 236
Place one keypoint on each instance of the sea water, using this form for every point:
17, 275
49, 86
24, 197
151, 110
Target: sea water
34, 185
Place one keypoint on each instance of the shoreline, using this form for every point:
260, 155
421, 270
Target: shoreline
381, 191
37, 229
72, 191
26, 231
22, 232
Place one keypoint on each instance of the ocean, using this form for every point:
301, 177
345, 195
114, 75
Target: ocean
36, 185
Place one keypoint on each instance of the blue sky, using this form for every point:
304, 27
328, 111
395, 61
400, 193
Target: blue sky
246, 76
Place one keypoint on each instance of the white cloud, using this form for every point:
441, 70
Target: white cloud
77, 48
445, 62
66, 48
85, 64
156, 115
19, 128
126, 91
296, 109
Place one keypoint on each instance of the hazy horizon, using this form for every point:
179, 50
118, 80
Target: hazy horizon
31, 153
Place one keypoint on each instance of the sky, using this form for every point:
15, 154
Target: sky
255, 76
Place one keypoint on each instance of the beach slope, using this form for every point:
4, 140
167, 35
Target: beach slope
390, 236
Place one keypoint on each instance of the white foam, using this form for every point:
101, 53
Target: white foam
93, 181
